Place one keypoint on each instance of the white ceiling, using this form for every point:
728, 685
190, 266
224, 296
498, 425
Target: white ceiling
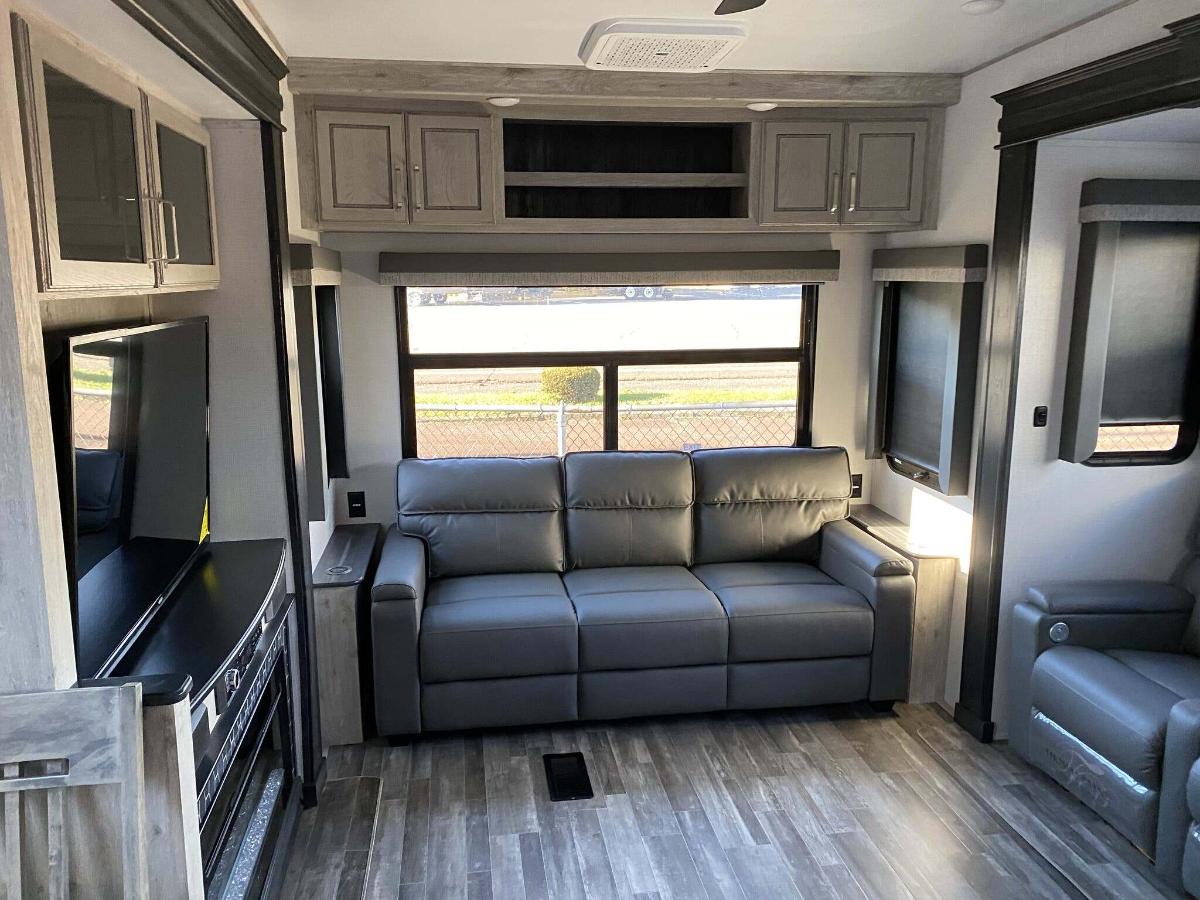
796, 35
1172, 125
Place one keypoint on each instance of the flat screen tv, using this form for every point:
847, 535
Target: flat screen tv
130, 413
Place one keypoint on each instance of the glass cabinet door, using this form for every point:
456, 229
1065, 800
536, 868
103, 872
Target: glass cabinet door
88, 171
183, 198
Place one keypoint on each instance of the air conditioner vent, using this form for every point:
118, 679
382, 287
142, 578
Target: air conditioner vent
660, 45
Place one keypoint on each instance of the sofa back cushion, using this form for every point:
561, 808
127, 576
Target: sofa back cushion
767, 503
483, 516
628, 509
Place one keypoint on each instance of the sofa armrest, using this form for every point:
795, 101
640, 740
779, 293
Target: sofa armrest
852, 557
400, 574
397, 599
1174, 815
1110, 597
860, 549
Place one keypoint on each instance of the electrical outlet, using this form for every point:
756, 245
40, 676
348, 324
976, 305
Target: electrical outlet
357, 503
855, 487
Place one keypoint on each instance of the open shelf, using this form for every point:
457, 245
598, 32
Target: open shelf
626, 170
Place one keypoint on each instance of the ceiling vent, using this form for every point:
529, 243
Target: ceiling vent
660, 45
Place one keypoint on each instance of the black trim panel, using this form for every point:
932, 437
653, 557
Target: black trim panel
219, 41
1152, 77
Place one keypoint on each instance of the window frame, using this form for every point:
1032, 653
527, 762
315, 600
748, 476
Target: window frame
1087, 362
609, 362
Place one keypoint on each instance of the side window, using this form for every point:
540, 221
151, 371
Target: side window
1131, 395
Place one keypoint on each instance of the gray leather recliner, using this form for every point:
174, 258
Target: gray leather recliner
605, 585
1104, 696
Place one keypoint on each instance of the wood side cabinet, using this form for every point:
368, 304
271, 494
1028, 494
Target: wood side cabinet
120, 182
181, 178
844, 173
452, 169
802, 172
885, 172
390, 169
361, 167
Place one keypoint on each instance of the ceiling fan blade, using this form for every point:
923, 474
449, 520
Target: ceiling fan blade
728, 7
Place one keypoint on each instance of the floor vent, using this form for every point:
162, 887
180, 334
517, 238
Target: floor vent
567, 776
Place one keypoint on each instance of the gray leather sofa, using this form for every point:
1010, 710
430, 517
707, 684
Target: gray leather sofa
604, 585
1104, 696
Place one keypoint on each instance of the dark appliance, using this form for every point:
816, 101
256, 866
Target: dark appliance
130, 413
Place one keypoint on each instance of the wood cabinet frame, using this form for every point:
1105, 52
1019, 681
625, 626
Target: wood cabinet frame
36, 49
172, 273
314, 110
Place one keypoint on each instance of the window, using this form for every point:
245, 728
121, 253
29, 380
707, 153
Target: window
1131, 393
542, 371
924, 393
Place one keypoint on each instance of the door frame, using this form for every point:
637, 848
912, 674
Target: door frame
1160, 75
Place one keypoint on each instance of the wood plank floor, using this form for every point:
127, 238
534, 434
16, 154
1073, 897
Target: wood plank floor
820, 803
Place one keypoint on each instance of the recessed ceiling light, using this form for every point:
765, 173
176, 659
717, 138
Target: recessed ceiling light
761, 107
504, 102
981, 7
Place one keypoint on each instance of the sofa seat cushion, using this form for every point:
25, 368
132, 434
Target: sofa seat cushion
785, 611
497, 626
646, 617
1117, 702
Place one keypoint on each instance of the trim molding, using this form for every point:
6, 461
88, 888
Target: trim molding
578, 85
993, 457
1155, 76
220, 42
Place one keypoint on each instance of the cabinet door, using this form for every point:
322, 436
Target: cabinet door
885, 173
182, 198
452, 177
84, 138
801, 176
360, 167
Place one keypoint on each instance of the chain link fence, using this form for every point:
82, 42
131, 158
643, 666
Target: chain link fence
445, 430
1137, 438
91, 413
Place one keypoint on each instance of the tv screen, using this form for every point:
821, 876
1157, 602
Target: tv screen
132, 422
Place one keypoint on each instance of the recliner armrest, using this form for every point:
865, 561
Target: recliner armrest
400, 574
1110, 597
861, 550
1175, 813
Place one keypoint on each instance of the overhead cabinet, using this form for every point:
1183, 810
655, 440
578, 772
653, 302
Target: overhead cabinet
838, 173
616, 170
120, 182
369, 165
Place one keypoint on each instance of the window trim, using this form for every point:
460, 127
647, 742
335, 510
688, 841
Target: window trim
1185, 445
609, 362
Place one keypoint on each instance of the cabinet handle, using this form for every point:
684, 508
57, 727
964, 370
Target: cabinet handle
416, 167
837, 192
398, 185
853, 191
